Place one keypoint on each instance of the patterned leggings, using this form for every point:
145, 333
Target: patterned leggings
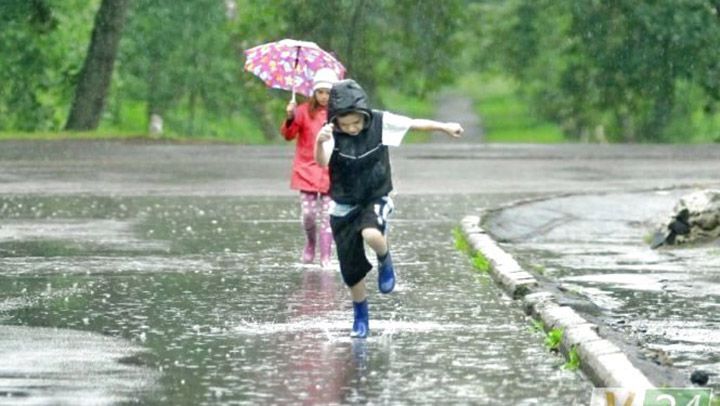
315, 206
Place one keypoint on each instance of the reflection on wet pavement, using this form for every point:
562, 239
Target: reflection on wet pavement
58, 366
210, 299
666, 300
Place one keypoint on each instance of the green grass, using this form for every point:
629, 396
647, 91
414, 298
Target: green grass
403, 104
461, 243
480, 262
553, 339
692, 122
129, 121
126, 136
64, 135
477, 259
231, 130
504, 115
412, 107
538, 325
573, 360
130, 116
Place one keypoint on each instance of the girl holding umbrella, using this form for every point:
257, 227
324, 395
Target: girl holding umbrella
302, 123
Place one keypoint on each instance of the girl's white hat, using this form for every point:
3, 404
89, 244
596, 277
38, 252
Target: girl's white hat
324, 79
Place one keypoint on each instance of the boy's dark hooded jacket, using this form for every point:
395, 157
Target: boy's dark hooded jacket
360, 164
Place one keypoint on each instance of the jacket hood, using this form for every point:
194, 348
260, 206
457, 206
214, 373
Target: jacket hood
347, 96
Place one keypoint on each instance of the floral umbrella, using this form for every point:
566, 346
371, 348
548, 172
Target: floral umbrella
290, 65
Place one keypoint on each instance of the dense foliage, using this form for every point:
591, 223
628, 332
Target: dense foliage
183, 60
42, 44
625, 70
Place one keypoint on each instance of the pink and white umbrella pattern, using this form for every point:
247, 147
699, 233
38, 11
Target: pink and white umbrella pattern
290, 65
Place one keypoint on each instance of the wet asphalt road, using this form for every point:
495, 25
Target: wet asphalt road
128, 169
166, 248
201, 300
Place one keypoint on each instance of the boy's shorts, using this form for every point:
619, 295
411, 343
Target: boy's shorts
347, 232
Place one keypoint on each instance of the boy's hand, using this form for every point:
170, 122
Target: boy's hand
325, 133
453, 129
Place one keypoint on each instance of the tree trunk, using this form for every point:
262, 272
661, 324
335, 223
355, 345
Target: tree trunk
352, 31
94, 80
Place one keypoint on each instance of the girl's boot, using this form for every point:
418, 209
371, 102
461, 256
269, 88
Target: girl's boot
326, 240
326, 237
309, 225
360, 325
308, 255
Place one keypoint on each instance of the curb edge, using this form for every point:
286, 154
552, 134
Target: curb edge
602, 361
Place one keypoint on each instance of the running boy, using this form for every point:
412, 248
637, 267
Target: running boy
354, 144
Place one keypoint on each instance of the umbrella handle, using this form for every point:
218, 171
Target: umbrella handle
297, 59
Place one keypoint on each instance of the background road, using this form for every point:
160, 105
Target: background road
117, 168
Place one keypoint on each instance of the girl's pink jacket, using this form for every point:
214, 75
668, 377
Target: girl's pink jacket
307, 175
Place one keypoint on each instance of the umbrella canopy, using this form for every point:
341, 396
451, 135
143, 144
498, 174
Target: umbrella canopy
290, 64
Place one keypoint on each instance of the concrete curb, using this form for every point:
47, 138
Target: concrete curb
602, 361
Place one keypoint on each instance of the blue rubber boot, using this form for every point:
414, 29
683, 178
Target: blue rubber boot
361, 329
386, 275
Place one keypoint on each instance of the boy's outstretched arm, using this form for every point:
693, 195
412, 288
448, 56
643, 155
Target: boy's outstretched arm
452, 129
323, 145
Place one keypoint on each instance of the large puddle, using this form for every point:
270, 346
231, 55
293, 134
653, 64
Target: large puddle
59, 366
206, 302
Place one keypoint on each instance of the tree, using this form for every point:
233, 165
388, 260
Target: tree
40, 60
406, 45
177, 60
615, 65
96, 74
409, 45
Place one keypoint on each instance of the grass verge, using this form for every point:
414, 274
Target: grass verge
121, 136
413, 107
505, 116
477, 259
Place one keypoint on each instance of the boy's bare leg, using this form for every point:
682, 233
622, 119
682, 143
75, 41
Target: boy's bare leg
376, 240
358, 291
